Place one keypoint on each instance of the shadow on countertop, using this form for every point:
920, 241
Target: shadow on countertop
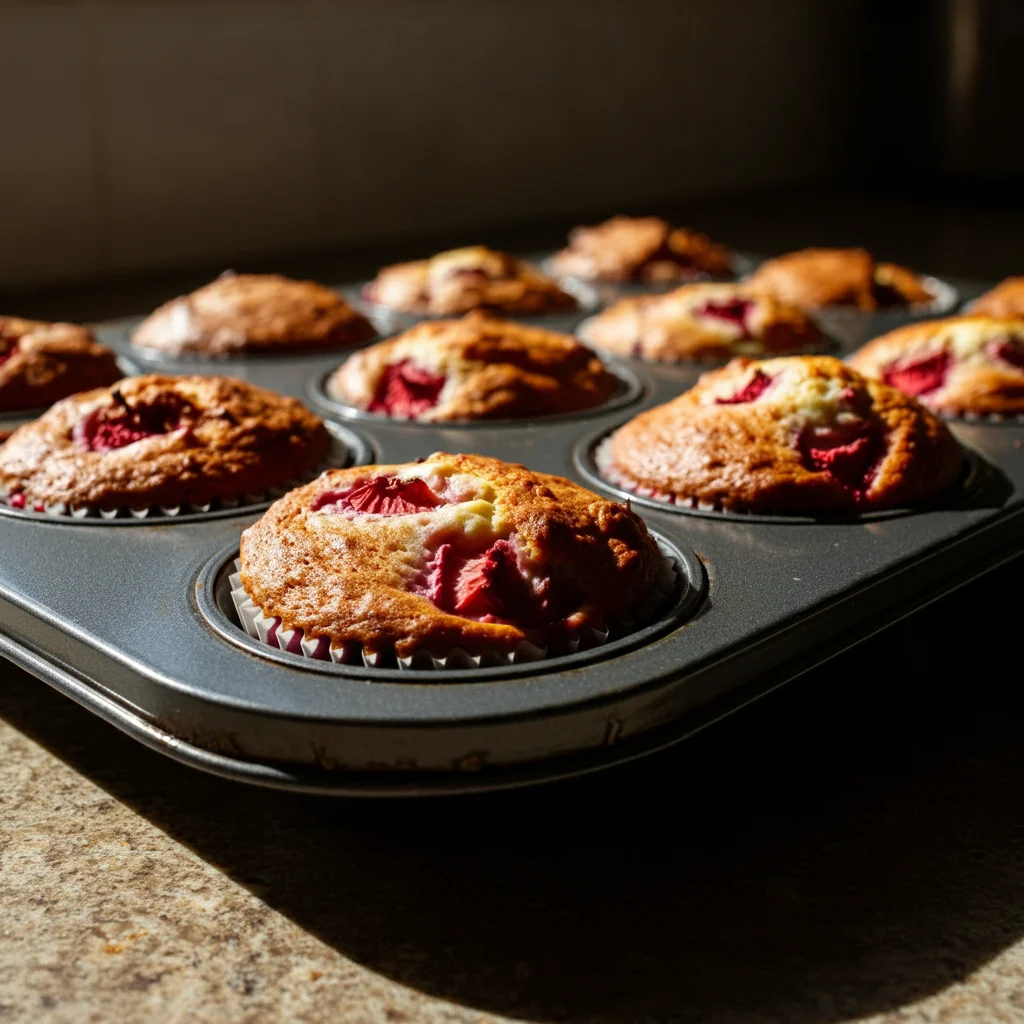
847, 846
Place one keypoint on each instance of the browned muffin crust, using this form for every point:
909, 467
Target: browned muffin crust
255, 314
797, 435
460, 280
957, 366
475, 368
1005, 300
158, 440
818, 278
702, 321
412, 578
641, 249
43, 362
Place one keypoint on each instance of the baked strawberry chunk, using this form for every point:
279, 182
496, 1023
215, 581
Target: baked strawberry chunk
919, 376
735, 311
405, 390
1007, 350
7, 350
751, 391
380, 496
117, 426
849, 454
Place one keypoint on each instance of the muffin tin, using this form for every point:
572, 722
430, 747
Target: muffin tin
138, 624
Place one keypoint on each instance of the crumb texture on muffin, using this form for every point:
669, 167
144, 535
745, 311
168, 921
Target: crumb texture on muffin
702, 321
818, 278
794, 435
645, 249
456, 551
475, 368
957, 366
159, 440
41, 363
461, 280
1005, 300
252, 313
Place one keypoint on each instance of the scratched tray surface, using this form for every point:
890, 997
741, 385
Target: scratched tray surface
116, 619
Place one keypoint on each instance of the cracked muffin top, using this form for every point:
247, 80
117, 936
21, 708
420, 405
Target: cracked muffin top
1005, 300
475, 368
819, 278
455, 551
958, 366
460, 280
702, 321
41, 363
796, 435
646, 249
158, 440
252, 314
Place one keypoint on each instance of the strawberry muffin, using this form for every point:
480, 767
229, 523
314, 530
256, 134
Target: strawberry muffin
643, 249
798, 435
160, 441
960, 366
475, 368
460, 558
702, 321
820, 278
43, 362
464, 279
252, 314
1004, 301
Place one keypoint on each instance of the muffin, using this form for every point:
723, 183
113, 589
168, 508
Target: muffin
819, 278
646, 249
959, 366
1005, 300
464, 279
455, 553
475, 368
252, 314
43, 362
160, 441
702, 321
797, 435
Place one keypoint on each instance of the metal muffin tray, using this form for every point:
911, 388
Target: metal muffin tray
133, 618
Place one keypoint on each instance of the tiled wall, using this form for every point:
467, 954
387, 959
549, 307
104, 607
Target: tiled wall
150, 133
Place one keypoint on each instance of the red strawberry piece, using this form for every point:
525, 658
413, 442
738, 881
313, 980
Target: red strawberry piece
734, 311
16, 500
117, 426
919, 376
6, 353
380, 496
1008, 350
752, 390
849, 455
405, 390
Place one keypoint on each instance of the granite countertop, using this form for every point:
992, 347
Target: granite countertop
850, 847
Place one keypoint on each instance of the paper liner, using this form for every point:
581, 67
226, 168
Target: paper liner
981, 417
268, 630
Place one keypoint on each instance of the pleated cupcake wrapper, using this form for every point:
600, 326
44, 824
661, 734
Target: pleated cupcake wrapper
986, 417
62, 510
267, 629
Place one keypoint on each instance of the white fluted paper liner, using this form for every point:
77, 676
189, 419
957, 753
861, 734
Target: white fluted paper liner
268, 630
979, 417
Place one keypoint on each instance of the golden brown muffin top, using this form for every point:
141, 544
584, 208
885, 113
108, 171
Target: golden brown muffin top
1006, 299
461, 280
158, 440
818, 278
455, 551
957, 366
702, 321
252, 313
641, 249
475, 368
795, 435
42, 362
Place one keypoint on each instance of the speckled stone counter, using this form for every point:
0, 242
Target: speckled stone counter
851, 847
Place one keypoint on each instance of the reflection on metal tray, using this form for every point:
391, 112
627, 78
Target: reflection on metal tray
127, 628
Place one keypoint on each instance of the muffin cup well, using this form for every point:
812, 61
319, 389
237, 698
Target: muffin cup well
267, 629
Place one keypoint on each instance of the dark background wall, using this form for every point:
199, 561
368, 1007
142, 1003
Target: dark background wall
149, 134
